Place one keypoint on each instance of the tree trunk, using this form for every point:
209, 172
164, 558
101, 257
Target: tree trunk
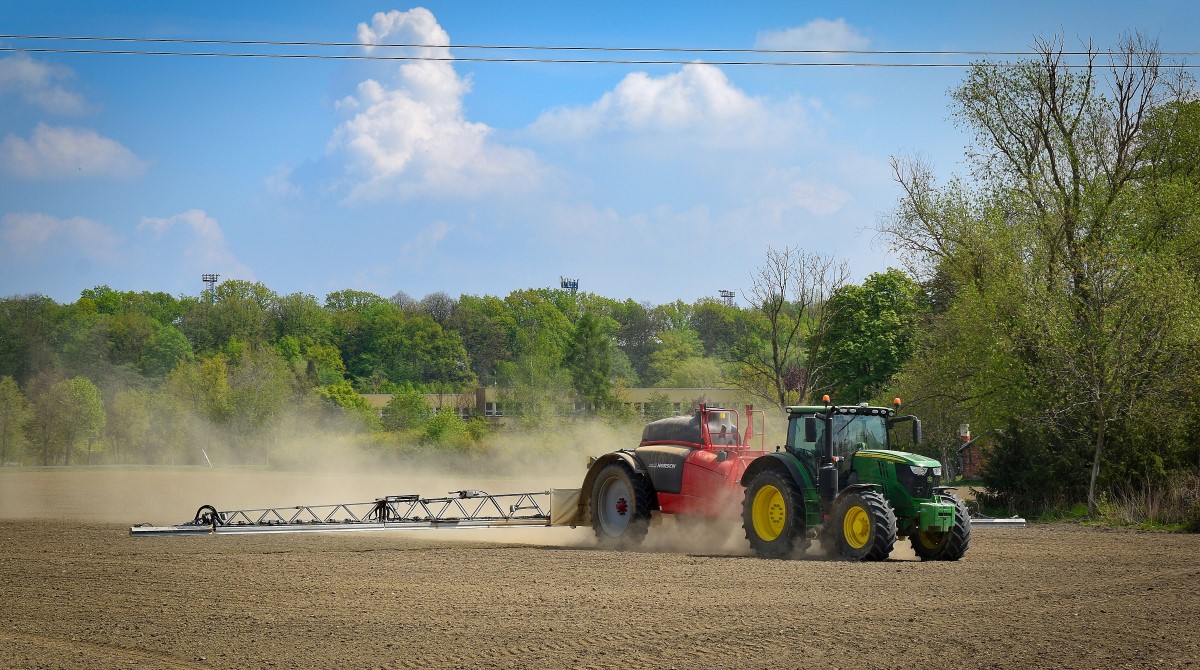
1095, 469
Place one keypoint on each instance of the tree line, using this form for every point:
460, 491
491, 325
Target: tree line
119, 369
1049, 299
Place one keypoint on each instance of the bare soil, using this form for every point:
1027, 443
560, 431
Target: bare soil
77, 591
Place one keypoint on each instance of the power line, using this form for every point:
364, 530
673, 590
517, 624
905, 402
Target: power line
482, 59
531, 59
475, 59
531, 47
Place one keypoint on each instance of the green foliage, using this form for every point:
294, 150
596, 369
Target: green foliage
658, 406
343, 395
1064, 310
872, 333
203, 387
536, 389
447, 429
129, 422
14, 414
69, 412
407, 410
589, 361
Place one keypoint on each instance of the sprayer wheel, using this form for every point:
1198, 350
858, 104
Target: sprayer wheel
620, 507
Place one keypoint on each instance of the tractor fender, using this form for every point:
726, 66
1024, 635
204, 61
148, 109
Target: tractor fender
775, 460
851, 488
627, 457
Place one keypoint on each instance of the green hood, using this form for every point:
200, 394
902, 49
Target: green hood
898, 457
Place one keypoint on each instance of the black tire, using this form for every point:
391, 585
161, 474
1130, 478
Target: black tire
950, 545
773, 515
864, 526
620, 507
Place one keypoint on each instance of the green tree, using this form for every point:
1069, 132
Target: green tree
487, 330
718, 325
637, 336
203, 387
14, 414
406, 410
658, 406
589, 361
446, 428
77, 413
128, 426
873, 334
343, 395
260, 388
1074, 286
535, 388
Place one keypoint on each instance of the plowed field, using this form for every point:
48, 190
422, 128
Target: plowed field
76, 591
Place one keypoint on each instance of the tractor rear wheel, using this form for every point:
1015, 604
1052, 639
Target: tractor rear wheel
773, 515
864, 526
949, 545
620, 507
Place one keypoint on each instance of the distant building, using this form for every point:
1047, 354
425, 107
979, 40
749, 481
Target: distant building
970, 453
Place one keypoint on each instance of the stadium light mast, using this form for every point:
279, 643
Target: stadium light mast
210, 284
727, 297
568, 284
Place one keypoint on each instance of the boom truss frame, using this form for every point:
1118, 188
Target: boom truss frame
459, 509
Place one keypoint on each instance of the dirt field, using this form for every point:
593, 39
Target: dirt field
79, 592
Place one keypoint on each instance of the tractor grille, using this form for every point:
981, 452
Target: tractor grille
919, 486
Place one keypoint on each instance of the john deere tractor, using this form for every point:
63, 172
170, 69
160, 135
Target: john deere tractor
838, 481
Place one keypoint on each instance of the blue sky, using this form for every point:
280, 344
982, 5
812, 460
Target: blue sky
652, 182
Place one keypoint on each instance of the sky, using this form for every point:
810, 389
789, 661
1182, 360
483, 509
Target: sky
654, 182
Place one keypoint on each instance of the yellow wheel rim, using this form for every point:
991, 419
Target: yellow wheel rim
769, 513
930, 539
856, 527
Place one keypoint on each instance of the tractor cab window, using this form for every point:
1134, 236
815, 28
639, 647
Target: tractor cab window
852, 432
804, 449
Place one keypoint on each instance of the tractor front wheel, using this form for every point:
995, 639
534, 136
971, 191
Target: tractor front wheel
773, 515
864, 526
949, 545
620, 507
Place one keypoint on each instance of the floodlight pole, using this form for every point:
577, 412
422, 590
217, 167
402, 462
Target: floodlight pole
210, 284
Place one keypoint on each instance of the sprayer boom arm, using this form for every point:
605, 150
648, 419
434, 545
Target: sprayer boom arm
459, 509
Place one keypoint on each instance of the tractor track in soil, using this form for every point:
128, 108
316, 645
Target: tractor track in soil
82, 593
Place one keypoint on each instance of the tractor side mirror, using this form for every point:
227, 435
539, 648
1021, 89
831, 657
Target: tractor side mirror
916, 431
810, 429
722, 456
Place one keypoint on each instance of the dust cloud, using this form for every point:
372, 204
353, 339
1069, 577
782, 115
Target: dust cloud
322, 467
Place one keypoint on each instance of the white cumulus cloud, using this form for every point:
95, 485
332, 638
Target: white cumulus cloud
818, 34
56, 152
39, 84
695, 98
410, 137
32, 234
206, 247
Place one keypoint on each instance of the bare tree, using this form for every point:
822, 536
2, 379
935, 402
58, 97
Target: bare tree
777, 361
439, 306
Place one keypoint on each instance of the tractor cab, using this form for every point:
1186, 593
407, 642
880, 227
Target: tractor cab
854, 429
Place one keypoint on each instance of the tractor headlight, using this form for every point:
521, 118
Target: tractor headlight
918, 470
937, 472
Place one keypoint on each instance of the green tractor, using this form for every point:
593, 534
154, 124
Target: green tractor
838, 481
